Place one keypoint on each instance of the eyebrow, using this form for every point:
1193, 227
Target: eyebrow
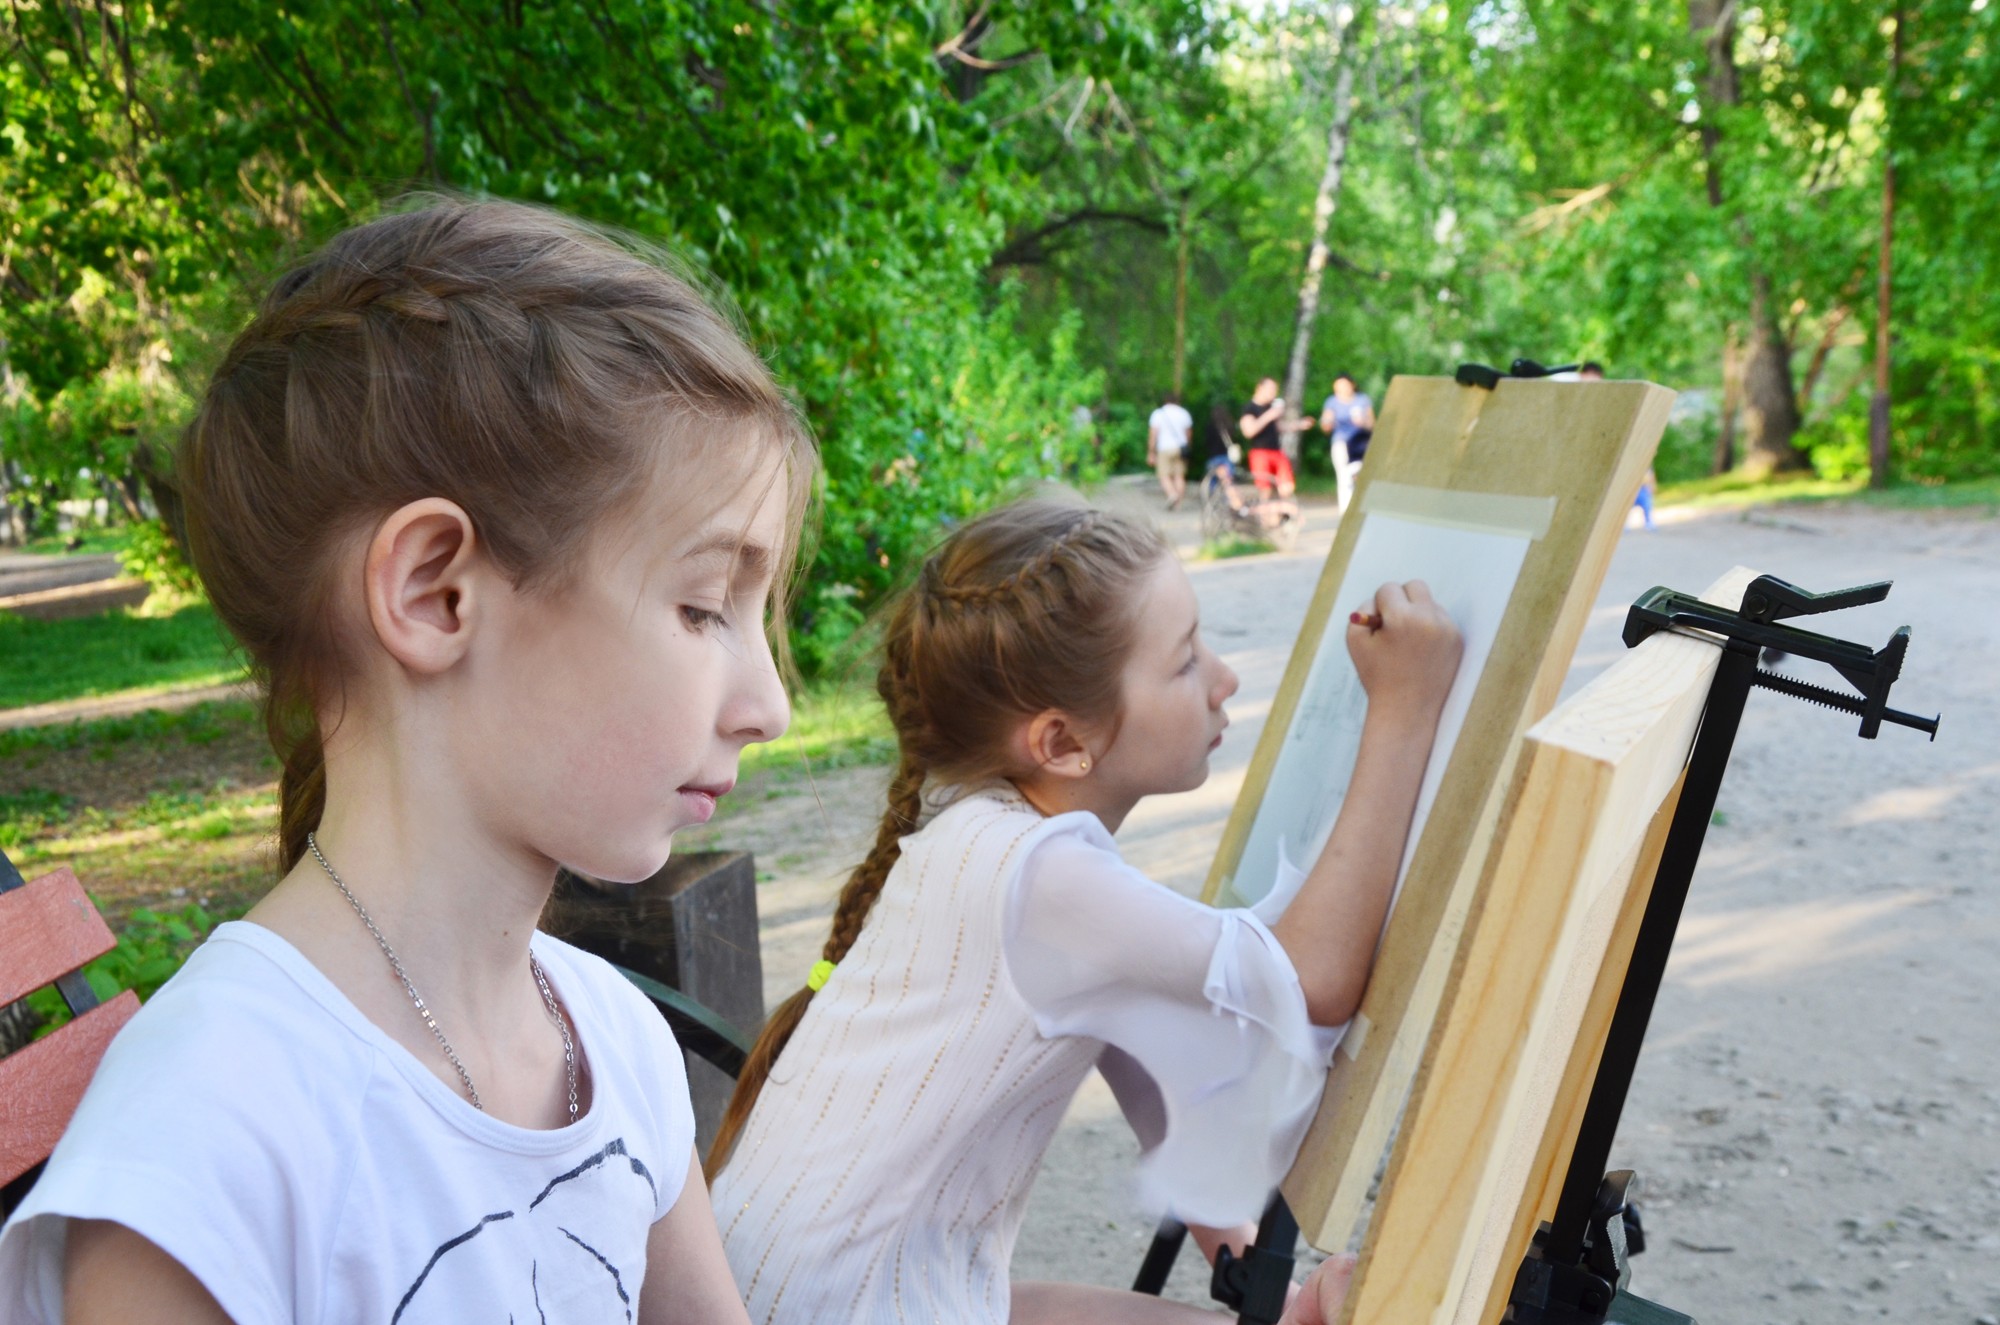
750, 560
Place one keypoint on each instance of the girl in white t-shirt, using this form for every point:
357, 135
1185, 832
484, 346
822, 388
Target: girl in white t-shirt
493, 505
1045, 672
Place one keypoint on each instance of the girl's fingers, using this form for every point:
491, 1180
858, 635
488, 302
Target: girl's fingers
1418, 592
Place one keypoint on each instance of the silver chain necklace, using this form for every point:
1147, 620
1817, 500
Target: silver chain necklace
396, 965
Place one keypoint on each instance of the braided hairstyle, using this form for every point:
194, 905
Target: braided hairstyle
1028, 608
527, 367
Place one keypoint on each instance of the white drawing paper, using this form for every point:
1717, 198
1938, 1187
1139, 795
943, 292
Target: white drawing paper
1472, 574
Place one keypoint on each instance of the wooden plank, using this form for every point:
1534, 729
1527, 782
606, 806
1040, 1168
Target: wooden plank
1587, 445
41, 1085
1582, 832
47, 929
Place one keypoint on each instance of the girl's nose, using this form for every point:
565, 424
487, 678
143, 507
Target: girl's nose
1226, 684
760, 710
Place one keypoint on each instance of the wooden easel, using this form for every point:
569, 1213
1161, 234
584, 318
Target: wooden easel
1451, 451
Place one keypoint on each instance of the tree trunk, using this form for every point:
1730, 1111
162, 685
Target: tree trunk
13, 525
1770, 400
1180, 300
1878, 405
1732, 402
1323, 207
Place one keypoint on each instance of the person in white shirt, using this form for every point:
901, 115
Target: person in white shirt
506, 581
1044, 673
1167, 432
1348, 419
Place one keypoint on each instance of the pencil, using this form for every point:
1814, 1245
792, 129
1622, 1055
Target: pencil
1369, 619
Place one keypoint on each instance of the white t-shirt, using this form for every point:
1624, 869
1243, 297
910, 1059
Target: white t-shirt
305, 1167
1171, 425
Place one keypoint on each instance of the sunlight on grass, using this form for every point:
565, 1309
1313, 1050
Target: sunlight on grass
198, 724
132, 651
1735, 491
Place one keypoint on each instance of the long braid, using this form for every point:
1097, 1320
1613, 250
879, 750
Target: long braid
857, 899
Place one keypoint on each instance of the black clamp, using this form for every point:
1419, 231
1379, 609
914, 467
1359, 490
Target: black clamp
1257, 1284
1769, 600
1486, 378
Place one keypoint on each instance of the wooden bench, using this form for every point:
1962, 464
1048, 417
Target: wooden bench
48, 931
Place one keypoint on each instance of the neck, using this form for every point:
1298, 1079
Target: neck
1061, 795
456, 899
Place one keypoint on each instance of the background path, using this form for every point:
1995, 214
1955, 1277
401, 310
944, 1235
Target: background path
1818, 1110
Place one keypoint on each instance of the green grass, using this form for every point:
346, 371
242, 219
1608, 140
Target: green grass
198, 724
45, 662
90, 542
1232, 545
1733, 490
833, 726
1959, 494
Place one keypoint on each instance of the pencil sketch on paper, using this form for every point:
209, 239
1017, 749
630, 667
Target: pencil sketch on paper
1472, 573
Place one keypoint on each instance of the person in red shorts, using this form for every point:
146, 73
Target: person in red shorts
1258, 426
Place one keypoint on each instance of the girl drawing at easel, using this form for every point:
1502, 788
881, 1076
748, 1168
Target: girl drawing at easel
1046, 672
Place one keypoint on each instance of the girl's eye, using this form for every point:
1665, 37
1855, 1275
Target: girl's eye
701, 618
1188, 666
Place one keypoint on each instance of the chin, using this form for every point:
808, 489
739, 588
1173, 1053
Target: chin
625, 867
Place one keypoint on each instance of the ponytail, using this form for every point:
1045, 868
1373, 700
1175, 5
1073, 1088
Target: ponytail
857, 899
301, 798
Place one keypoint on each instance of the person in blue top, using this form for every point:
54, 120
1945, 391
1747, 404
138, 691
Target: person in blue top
1348, 417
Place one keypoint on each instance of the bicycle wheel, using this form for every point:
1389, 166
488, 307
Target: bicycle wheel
1286, 532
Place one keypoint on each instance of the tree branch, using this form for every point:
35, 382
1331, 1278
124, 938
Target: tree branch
1032, 248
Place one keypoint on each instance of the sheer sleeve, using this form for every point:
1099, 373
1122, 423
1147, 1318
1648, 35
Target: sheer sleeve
1201, 1003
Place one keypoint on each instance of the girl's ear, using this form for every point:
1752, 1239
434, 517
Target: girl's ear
422, 584
1051, 743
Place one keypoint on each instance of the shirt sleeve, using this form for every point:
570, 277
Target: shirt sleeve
1200, 1002
173, 1143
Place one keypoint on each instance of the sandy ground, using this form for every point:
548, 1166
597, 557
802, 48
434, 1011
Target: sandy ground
1817, 1115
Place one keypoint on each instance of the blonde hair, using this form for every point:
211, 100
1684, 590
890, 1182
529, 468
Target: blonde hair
519, 363
1028, 608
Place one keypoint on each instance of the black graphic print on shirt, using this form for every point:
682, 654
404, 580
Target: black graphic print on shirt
553, 1253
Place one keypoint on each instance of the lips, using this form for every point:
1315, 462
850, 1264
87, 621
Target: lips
700, 800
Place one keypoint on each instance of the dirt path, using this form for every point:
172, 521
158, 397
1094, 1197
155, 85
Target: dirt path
1818, 1110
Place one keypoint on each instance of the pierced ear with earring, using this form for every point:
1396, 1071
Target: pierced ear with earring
1085, 765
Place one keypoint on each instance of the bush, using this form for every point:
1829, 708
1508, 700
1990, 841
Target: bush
151, 554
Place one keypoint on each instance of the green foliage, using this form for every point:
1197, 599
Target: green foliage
152, 554
42, 662
817, 158
152, 945
950, 225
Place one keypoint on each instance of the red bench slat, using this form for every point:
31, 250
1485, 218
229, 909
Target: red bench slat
41, 1085
47, 929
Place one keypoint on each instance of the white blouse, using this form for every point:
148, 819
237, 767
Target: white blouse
884, 1171
1209, 1048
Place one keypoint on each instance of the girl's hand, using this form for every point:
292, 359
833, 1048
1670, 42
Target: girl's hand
1323, 1295
1405, 648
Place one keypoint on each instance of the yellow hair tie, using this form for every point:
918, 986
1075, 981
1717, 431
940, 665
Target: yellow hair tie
821, 972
